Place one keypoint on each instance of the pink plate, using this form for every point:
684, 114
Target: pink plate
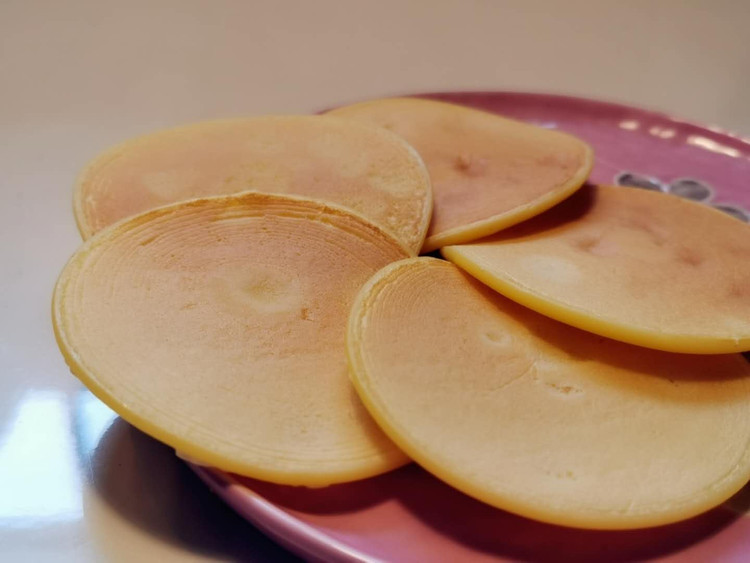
407, 515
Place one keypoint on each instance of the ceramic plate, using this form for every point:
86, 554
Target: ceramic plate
407, 515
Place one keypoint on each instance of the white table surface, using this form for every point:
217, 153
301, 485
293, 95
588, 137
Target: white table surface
77, 484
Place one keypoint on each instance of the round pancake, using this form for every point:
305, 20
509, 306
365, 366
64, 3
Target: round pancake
361, 167
638, 266
539, 418
487, 172
218, 327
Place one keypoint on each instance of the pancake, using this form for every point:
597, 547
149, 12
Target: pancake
361, 167
487, 172
637, 266
539, 418
218, 325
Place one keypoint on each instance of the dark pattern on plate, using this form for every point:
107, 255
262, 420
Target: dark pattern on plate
688, 188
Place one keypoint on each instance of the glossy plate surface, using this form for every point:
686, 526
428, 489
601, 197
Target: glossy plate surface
407, 515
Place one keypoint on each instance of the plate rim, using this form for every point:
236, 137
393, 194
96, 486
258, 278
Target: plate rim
705, 128
314, 544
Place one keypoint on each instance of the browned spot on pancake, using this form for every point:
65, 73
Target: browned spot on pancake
742, 252
596, 245
738, 289
689, 256
645, 222
148, 241
586, 242
555, 161
471, 165
563, 388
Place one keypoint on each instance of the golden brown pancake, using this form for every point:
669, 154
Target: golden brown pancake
638, 266
361, 167
218, 327
539, 418
487, 172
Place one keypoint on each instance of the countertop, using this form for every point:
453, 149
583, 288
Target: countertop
77, 484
